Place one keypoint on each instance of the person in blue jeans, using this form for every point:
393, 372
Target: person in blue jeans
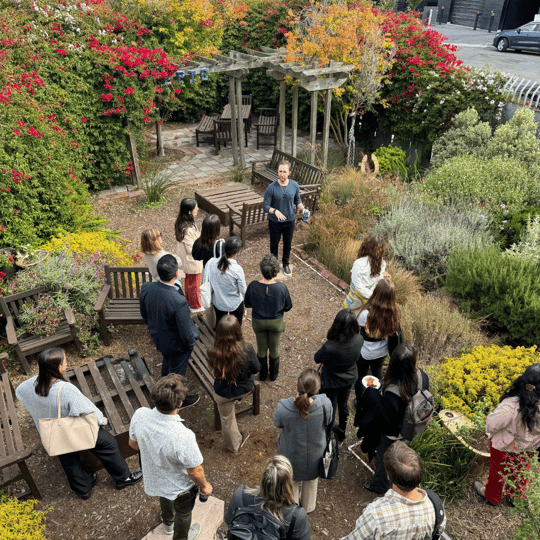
280, 199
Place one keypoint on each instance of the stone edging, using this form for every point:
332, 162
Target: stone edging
325, 273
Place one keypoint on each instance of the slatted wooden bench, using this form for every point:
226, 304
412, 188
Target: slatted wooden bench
267, 126
28, 344
123, 288
252, 214
198, 363
13, 454
117, 387
301, 172
206, 128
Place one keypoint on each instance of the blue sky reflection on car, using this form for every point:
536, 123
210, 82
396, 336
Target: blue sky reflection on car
524, 38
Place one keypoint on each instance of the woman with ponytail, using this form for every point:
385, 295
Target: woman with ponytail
514, 429
228, 282
303, 421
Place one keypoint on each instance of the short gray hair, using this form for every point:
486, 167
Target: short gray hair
269, 267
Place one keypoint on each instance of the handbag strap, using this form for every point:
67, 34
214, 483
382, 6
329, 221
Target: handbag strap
219, 243
58, 400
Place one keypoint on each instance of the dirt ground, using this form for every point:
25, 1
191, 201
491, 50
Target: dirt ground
131, 514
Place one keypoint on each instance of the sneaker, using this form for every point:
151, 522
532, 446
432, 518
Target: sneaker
194, 531
131, 480
193, 399
286, 270
168, 529
198, 310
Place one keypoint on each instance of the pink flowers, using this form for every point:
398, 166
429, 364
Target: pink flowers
106, 97
129, 91
16, 132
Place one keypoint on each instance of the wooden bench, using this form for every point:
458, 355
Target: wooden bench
13, 454
252, 214
199, 365
123, 288
28, 344
267, 126
206, 128
301, 172
117, 387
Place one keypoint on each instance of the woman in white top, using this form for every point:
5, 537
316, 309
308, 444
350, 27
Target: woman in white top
228, 281
378, 319
151, 246
367, 270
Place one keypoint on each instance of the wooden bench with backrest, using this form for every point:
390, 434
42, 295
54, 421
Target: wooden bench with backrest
267, 126
206, 129
13, 454
223, 134
301, 172
198, 363
122, 289
252, 214
28, 344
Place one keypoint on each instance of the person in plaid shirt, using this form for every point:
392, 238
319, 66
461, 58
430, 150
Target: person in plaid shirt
405, 512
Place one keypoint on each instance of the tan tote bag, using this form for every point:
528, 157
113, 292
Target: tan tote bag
69, 434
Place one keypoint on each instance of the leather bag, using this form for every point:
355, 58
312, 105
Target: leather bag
68, 434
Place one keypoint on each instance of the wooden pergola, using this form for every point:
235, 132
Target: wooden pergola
312, 77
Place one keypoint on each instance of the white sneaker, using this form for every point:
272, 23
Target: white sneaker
168, 529
198, 310
194, 531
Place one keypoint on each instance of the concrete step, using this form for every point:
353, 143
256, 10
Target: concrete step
208, 514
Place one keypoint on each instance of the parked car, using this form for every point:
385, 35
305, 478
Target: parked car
526, 37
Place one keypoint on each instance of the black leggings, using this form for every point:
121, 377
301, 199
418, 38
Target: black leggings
238, 313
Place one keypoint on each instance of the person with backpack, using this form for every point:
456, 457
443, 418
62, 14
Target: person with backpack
381, 416
406, 512
268, 512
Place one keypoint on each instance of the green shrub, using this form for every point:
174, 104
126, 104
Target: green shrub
516, 224
529, 245
505, 289
422, 235
19, 520
393, 161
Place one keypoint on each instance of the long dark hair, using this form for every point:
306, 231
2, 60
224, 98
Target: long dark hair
210, 229
527, 389
184, 219
373, 247
308, 385
402, 371
226, 357
49, 362
233, 245
384, 314
344, 327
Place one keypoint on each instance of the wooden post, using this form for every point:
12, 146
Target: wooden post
282, 88
232, 103
136, 174
326, 130
159, 140
241, 159
294, 127
313, 126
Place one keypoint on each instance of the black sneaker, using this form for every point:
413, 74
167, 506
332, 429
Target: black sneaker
286, 270
193, 399
88, 494
131, 480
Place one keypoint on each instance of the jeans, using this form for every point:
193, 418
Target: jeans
277, 229
268, 334
339, 398
179, 512
177, 363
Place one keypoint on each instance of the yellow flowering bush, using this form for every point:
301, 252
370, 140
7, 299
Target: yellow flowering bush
482, 375
19, 520
86, 244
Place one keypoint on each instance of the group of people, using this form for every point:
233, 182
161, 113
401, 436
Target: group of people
363, 334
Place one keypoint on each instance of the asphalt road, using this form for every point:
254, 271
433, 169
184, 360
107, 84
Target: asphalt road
476, 50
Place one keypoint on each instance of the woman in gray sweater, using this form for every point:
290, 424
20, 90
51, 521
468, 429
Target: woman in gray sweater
303, 421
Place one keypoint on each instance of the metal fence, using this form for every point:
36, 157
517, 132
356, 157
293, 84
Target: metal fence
525, 93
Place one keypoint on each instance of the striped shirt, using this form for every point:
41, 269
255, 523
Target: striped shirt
394, 517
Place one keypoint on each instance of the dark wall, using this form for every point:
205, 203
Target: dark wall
519, 12
497, 8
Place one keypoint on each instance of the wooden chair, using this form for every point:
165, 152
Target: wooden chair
13, 454
206, 128
28, 344
123, 288
222, 133
267, 126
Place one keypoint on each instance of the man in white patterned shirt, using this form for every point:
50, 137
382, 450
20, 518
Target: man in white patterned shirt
170, 457
405, 512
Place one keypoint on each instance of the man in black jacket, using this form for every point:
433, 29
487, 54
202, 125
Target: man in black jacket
166, 312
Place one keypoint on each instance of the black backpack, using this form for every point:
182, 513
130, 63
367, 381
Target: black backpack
254, 523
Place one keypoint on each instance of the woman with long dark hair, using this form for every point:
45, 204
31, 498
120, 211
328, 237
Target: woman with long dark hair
379, 319
186, 232
303, 420
514, 429
209, 244
269, 300
380, 415
39, 395
228, 281
339, 372
233, 363
367, 270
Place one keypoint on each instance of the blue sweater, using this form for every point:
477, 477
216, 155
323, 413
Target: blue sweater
282, 198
